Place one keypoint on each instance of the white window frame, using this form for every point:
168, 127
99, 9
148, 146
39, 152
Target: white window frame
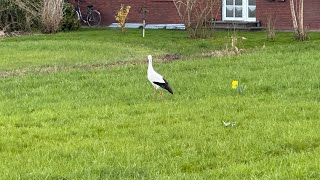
245, 15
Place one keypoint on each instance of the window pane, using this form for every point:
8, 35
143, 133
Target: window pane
252, 12
229, 2
238, 12
229, 12
252, 2
238, 2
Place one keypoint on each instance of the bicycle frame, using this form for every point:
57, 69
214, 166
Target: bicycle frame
78, 10
92, 18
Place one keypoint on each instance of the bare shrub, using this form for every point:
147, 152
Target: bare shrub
51, 15
19, 15
11, 17
31, 11
33, 7
233, 43
270, 26
28, 15
231, 47
196, 16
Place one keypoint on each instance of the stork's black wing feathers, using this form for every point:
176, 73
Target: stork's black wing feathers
165, 86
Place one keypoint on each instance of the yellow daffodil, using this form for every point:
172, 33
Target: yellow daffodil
234, 84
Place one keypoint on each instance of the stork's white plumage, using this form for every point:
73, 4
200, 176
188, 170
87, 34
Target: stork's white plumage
156, 79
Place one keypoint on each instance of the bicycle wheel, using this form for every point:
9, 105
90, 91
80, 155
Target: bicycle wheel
94, 18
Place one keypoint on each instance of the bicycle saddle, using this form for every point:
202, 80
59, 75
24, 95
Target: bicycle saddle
90, 6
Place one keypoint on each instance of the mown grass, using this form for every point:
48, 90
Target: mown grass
105, 123
107, 46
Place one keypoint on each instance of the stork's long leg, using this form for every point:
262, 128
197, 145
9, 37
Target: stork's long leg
154, 91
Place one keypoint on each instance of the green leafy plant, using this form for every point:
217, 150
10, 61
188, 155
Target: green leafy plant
70, 21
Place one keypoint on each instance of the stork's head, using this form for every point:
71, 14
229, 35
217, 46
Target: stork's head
150, 58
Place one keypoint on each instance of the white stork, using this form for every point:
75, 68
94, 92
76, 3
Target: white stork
156, 79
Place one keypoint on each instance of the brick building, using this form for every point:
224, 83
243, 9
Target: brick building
164, 11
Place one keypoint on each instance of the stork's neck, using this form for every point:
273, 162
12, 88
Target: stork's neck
150, 65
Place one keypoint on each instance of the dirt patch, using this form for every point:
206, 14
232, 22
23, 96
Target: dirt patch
169, 57
87, 67
223, 53
4, 34
55, 68
49, 69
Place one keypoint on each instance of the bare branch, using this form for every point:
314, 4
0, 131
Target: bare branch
195, 14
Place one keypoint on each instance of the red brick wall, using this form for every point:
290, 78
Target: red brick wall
160, 11
278, 10
312, 14
282, 13
164, 11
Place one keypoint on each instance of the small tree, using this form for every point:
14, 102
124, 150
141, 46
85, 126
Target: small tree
122, 16
296, 7
196, 16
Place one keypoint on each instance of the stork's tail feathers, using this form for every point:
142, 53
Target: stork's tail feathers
165, 86
168, 88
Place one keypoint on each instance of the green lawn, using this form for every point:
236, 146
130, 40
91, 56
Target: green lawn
79, 106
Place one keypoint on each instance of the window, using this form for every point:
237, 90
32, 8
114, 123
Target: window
252, 9
234, 8
239, 10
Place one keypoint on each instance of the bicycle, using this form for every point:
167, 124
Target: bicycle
92, 18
